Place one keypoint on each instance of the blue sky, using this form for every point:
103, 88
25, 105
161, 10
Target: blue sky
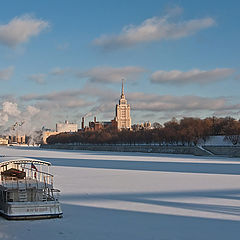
65, 59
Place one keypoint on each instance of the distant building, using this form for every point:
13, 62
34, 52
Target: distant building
20, 139
142, 126
3, 141
66, 127
147, 125
46, 134
122, 117
97, 126
60, 128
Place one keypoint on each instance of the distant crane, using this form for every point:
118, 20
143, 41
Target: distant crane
16, 125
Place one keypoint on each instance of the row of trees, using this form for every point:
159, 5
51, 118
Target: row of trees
187, 131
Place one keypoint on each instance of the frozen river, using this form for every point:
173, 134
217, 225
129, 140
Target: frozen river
128, 196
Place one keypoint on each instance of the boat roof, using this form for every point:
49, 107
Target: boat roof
7, 160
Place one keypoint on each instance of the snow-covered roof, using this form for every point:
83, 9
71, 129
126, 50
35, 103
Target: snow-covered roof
7, 160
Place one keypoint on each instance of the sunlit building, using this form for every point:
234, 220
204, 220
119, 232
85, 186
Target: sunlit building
18, 139
60, 128
123, 118
3, 141
47, 134
66, 127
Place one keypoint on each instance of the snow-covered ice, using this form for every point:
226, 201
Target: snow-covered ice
128, 196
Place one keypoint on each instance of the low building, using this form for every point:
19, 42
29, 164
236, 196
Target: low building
3, 141
142, 126
66, 127
97, 126
46, 134
18, 139
60, 128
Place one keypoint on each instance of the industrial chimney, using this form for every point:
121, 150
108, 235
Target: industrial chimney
82, 123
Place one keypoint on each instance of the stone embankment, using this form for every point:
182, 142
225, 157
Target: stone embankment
230, 151
192, 150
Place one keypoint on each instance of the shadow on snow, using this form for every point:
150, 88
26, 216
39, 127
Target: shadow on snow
183, 167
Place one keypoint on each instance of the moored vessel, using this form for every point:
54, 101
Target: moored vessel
26, 189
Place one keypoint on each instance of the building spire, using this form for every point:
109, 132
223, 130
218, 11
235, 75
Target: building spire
122, 88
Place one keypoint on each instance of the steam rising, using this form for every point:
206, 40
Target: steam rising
26, 121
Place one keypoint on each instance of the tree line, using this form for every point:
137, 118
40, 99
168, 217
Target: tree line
187, 131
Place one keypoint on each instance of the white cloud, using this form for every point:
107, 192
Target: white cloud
11, 109
38, 78
69, 99
192, 76
20, 30
32, 110
104, 74
103, 101
3, 118
167, 103
5, 74
112, 75
154, 29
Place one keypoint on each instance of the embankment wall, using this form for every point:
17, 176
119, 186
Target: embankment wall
231, 151
193, 150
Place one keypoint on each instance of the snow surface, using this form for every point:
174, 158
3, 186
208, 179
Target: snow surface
128, 196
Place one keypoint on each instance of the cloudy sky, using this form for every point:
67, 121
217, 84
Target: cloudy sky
65, 59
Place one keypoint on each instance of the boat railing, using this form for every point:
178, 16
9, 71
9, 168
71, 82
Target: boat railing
32, 178
56, 194
40, 176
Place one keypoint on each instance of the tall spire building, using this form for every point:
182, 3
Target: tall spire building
123, 118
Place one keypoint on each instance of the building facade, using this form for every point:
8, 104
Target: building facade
20, 139
66, 127
98, 126
3, 141
60, 128
47, 134
142, 126
123, 118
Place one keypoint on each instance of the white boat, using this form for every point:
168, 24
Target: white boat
26, 189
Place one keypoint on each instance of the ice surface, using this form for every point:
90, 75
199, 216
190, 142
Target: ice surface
128, 196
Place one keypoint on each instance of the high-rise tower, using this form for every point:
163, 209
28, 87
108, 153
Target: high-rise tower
123, 118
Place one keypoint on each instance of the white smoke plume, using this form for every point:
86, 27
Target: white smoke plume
26, 121
32, 110
8, 110
89, 114
11, 109
3, 118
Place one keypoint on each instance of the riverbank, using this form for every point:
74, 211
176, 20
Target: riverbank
230, 151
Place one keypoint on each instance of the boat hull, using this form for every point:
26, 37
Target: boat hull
31, 210
30, 217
